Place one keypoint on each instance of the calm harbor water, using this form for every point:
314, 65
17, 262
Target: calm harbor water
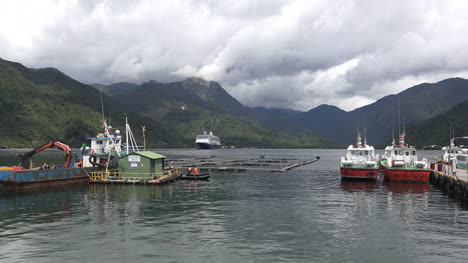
305, 215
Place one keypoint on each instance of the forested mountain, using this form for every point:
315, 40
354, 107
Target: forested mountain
188, 107
436, 130
417, 104
40, 105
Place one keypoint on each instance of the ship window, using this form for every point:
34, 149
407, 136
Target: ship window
461, 158
396, 152
366, 152
353, 152
99, 142
413, 152
360, 153
407, 153
117, 141
401, 152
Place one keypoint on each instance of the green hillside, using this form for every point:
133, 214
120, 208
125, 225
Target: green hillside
40, 105
436, 130
188, 107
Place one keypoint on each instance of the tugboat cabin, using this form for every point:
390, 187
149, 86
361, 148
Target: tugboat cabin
360, 155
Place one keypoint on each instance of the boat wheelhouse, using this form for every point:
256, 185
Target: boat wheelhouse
104, 147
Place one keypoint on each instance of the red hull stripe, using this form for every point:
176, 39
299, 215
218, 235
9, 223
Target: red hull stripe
407, 175
359, 173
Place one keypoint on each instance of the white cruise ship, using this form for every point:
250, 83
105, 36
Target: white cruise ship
208, 141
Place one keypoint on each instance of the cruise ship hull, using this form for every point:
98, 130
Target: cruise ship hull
208, 146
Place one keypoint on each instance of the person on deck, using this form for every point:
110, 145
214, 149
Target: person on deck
195, 171
189, 170
83, 148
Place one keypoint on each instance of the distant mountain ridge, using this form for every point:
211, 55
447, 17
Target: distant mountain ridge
417, 103
40, 105
37, 105
190, 106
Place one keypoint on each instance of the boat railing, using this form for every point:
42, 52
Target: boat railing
131, 176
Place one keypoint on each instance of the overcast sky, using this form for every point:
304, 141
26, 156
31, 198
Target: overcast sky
272, 53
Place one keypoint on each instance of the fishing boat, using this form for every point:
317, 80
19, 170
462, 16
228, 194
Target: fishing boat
453, 161
28, 176
103, 149
400, 163
204, 176
360, 162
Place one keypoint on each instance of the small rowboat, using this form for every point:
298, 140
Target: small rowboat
205, 176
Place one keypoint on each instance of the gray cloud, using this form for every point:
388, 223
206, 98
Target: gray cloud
290, 54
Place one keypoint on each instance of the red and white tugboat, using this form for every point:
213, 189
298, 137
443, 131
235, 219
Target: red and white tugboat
360, 162
400, 163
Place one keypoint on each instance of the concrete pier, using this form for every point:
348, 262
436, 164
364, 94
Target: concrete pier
456, 185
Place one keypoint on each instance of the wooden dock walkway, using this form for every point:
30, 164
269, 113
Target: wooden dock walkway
161, 180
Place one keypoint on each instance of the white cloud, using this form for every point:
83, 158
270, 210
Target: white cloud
293, 54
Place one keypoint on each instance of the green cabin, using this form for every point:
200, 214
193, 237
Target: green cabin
141, 164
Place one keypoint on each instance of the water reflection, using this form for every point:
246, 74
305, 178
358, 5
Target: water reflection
247, 217
124, 204
359, 186
406, 188
38, 206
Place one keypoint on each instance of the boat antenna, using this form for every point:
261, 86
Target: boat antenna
143, 130
364, 128
404, 125
358, 139
399, 113
126, 133
102, 106
393, 129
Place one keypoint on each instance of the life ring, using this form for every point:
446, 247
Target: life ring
92, 159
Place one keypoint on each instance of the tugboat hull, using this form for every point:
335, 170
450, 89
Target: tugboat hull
359, 174
406, 175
